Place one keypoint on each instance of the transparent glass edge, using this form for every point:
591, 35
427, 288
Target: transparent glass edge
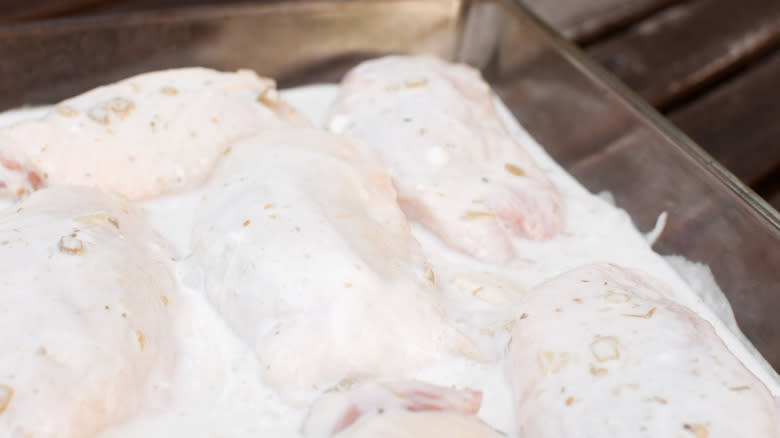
656, 120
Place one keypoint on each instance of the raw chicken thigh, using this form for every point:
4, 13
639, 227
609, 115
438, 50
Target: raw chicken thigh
85, 314
397, 409
300, 304
397, 424
602, 351
456, 168
309, 259
144, 136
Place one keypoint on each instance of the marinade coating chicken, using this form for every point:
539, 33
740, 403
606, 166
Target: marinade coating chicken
150, 134
309, 259
397, 409
456, 168
603, 351
85, 314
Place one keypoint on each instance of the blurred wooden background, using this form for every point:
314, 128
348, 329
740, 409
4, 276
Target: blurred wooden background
711, 66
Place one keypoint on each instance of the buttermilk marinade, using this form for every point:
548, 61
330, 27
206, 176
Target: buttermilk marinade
268, 330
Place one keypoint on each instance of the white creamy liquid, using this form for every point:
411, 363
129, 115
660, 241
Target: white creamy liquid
217, 391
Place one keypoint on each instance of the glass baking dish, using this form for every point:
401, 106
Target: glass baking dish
590, 123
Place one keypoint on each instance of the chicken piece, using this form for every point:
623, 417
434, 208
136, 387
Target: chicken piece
144, 136
397, 409
85, 312
419, 425
457, 170
309, 259
18, 176
603, 351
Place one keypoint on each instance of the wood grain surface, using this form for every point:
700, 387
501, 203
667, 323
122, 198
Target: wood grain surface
739, 121
23, 10
675, 52
584, 20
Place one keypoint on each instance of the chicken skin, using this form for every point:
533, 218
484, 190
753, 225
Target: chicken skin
144, 136
86, 313
309, 259
602, 351
457, 170
397, 409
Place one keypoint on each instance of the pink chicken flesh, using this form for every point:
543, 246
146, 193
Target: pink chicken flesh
309, 259
456, 168
397, 409
86, 314
147, 135
603, 351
